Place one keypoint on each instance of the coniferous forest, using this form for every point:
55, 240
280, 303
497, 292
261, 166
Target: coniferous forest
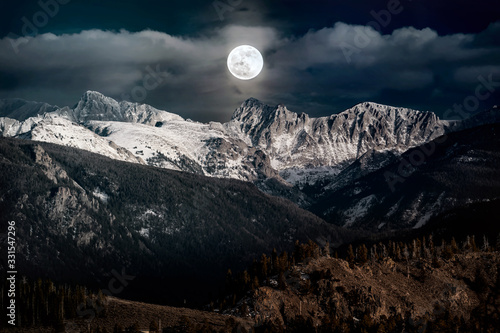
45, 304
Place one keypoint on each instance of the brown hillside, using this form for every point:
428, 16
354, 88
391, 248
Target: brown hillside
327, 287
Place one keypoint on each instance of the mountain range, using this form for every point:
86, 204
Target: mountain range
328, 165
259, 140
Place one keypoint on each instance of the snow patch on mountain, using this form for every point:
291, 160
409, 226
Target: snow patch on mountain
309, 176
183, 145
359, 210
297, 141
101, 195
53, 128
96, 106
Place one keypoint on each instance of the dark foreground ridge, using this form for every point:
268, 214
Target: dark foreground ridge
80, 216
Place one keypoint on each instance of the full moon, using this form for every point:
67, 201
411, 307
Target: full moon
245, 62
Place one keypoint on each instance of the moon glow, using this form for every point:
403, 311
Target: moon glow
245, 62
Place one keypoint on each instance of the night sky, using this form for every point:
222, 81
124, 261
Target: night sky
321, 57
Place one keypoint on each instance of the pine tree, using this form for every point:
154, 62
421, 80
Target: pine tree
383, 250
447, 252
467, 245
373, 253
246, 280
274, 262
313, 249
283, 262
426, 252
414, 250
362, 254
406, 253
418, 248
473, 244
255, 283
486, 244
282, 281
350, 255
263, 267
326, 250
397, 253
431, 244
454, 246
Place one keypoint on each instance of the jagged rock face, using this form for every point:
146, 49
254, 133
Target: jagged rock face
142, 134
296, 140
96, 106
188, 146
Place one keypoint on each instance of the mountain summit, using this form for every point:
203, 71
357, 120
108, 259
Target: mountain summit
95, 106
295, 140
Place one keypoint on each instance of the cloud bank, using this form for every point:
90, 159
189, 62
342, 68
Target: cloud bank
320, 72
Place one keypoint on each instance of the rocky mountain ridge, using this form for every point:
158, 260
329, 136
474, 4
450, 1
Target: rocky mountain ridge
283, 140
298, 141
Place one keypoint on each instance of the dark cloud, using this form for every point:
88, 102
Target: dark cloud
320, 72
180, 17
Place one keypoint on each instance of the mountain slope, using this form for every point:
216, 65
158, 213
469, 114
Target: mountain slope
85, 214
330, 295
189, 146
450, 172
55, 129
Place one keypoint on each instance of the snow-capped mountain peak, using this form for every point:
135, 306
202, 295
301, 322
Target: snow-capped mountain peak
95, 106
258, 140
296, 141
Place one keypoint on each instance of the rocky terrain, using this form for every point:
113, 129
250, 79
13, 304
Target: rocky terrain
395, 287
297, 141
110, 185
384, 288
450, 289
